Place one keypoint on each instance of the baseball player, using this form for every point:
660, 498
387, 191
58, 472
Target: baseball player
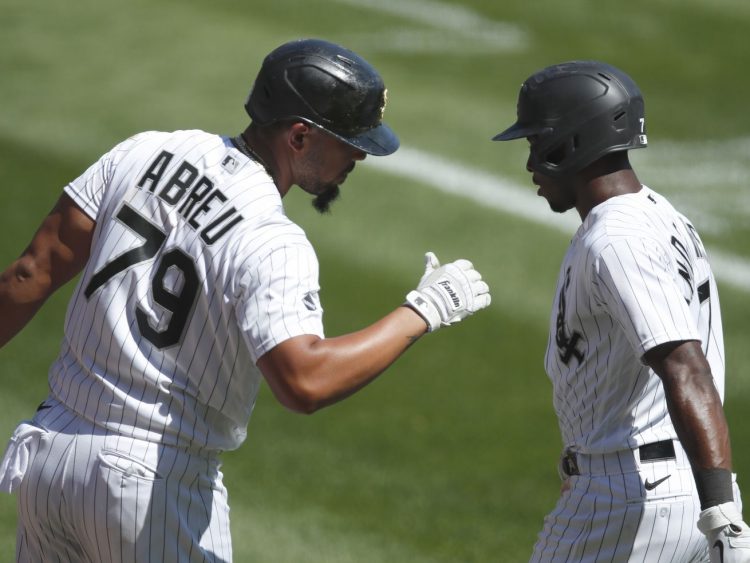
195, 286
635, 351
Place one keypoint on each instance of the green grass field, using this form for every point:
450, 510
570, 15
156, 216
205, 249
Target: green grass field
450, 456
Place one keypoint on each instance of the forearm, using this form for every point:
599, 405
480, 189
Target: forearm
23, 290
308, 373
698, 417
55, 255
352, 360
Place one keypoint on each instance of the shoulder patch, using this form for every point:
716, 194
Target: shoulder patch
311, 301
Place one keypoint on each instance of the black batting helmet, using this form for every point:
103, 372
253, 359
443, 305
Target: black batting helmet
327, 85
576, 112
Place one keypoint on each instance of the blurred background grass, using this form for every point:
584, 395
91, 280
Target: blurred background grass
450, 456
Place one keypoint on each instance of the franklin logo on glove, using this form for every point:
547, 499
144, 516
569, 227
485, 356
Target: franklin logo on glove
446, 285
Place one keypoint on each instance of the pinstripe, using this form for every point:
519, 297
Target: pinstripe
679, 523
618, 529
578, 548
593, 538
650, 530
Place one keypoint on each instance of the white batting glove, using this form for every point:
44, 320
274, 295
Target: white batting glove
448, 294
727, 534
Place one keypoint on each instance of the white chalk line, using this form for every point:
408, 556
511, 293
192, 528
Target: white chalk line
491, 191
451, 28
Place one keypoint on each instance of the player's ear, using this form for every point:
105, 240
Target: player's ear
298, 135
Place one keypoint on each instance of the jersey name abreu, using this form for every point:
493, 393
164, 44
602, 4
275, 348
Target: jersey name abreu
193, 196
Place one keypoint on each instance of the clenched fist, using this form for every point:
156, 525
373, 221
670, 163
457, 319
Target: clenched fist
448, 294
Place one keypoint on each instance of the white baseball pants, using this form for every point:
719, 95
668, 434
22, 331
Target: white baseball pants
619, 508
91, 496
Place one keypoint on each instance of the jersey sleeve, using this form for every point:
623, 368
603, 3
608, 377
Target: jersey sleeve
634, 281
280, 298
88, 190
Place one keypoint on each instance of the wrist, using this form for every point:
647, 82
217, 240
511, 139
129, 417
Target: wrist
422, 305
714, 486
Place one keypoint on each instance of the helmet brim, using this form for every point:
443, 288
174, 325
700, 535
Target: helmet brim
518, 131
378, 141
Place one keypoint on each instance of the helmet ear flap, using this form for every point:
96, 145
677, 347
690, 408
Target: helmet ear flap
559, 153
553, 153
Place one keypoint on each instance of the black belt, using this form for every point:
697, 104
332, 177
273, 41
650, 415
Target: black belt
648, 452
657, 451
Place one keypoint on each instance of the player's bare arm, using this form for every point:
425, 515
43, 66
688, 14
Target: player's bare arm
56, 254
307, 373
698, 417
693, 402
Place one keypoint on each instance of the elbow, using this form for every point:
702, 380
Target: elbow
298, 375
302, 407
28, 277
300, 397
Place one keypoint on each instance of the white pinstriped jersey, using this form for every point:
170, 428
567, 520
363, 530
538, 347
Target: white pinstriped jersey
635, 276
195, 272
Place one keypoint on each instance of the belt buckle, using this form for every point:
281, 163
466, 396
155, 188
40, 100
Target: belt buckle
569, 464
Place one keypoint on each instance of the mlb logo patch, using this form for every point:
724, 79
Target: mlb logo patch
230, 164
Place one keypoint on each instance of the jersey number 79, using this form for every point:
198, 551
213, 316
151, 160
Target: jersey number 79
178, 304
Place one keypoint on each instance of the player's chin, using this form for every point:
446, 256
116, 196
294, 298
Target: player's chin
560, 207
325, 198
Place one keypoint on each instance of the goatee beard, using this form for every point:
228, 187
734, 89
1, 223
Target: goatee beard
322, 202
